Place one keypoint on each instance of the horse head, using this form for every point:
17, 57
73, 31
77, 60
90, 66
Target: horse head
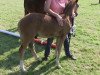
75, 9
72, 5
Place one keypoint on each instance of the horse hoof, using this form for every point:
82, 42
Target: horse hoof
23, 70
59, 66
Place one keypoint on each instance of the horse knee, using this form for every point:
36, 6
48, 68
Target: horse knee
21, 49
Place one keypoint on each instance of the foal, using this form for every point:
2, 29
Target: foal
45, 26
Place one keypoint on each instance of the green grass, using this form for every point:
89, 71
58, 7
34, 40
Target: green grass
85, 46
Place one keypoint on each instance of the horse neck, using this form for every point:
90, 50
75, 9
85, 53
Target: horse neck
69, 8
64, 16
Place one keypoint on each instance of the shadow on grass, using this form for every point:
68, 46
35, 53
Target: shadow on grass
35, 70
13, 30
49, 67
9, 55
95, 4
7, 43
64, 58
49, 64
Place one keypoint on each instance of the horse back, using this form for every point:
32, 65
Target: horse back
42, 24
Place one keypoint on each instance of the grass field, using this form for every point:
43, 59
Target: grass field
85, 46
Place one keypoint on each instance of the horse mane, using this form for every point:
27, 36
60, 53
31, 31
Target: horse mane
69, 7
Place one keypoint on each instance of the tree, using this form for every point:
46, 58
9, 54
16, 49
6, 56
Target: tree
99, 1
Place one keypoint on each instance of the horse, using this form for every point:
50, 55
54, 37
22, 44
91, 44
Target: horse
31, 6
46, 26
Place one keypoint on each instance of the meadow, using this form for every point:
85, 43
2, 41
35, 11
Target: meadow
85, 45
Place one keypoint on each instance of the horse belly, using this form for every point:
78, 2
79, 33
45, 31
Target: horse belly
46, 34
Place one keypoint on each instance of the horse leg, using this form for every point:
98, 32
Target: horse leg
31, 45
24, 43
59, 42
21, 53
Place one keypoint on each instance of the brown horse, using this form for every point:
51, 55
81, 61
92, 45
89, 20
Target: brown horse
34, 6
46, 26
